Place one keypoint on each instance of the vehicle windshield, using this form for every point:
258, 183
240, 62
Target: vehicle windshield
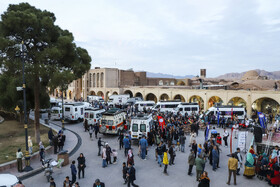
142, 127
103, 121
110, 122
55, 111
134, 127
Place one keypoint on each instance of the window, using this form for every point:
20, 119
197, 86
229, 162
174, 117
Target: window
67, 109
142, 127
194, 108
134, 127
91, 116
86, 114
150, 104
76, 109
187, 109
157, 106
181, 109
82, 111
110, 122
55, 111
103, 122
239, 113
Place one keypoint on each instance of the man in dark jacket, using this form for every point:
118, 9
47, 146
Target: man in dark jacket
73, 171
172, 154
55, 144
81, 165
121, 136
131, 175
50, 136
98, 183
191, 161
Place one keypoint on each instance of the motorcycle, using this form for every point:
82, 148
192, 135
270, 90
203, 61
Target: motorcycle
48, 169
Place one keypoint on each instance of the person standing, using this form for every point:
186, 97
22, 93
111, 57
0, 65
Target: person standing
73, 171
165, 161
19, 156
235, 129
81, 165
30, 145
96, 129
98, 183
50, 136
104, 158
225, 136
42, 156
67, 182
99, 143
239, 158
52, 183
199, 163
172, 154
215, 157
143, 145
232, 167
55, 144
124, 170
126, 144
191, 162
204, 181
108, 153
120, 138
182, 143
131, 174
90, 131
159, 152
194, 147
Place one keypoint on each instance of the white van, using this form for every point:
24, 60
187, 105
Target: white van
74, 112
112, 121
189, 108
92, 98
166, 106
146, 104
226, 111
141, 125
56, 113
93, 115
118, 100
55, 102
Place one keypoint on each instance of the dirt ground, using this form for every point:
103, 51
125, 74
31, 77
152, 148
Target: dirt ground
12, 137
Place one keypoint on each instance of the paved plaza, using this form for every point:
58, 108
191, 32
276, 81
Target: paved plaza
148, 173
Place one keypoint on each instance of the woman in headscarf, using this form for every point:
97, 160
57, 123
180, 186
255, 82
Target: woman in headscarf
130, 157
249, 166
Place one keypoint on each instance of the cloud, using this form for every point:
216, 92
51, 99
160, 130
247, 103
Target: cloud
178, 37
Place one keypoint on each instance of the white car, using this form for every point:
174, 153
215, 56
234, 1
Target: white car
8, 180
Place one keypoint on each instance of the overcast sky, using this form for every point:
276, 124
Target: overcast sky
175, 37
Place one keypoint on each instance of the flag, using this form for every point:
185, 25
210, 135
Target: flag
161, 122
218, 116
207, 132
262, 119
231, 141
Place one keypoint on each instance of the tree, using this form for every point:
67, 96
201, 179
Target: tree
50, 50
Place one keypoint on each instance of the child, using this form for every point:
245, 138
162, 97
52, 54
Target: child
125, 169
219, 139
115, 154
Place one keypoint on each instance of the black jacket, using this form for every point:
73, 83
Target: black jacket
132, 173
81, 161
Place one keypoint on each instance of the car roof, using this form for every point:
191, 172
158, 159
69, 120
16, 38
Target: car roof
8, 179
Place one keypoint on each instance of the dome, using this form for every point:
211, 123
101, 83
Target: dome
250, 75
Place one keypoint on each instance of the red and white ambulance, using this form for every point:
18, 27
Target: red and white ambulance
112, 121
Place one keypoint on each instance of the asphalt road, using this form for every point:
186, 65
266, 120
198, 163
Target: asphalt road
148, 173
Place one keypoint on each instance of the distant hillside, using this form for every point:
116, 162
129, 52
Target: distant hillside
275, 75
162, 75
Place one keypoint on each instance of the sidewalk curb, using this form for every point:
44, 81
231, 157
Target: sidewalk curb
72, 152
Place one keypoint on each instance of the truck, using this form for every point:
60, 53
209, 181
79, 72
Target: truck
147, 104
141, 125
74, 112
112, 121
56, 113
93, 115
118, 100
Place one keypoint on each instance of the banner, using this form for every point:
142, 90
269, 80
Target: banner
241, 140
161, 122
262, 119
231, 114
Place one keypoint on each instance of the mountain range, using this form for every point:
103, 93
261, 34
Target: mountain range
162, 75
275, 75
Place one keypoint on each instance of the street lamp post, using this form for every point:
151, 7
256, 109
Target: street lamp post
27, 156
62, 120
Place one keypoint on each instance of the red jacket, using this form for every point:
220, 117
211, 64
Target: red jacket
219, 140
